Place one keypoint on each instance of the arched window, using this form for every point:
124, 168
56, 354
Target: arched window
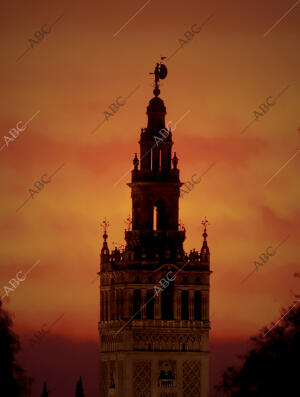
150, 305
136, 304
185, 305
167, 312
155, 216
159, 217
160, 160
197, 306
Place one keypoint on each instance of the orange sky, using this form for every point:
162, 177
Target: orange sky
221, 77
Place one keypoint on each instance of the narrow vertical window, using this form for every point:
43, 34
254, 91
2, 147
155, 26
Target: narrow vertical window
167, 312
106, 305
197, 306
121, 302
150, 158
117, 305
137, 304
185, 305
112, 305
155, 216
102, 307
150, 305
160, 159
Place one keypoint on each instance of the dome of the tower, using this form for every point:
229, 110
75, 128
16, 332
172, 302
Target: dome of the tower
156, 105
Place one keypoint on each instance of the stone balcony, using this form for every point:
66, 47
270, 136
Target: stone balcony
166, 383
117, 324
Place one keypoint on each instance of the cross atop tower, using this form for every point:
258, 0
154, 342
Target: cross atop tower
105, 224
205, 223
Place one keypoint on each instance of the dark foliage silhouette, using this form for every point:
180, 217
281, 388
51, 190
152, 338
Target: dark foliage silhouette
271, 367
13, 381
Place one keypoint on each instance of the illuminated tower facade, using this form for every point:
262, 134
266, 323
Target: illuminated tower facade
154, 297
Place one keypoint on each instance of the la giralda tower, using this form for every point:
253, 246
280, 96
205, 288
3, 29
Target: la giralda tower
154, 297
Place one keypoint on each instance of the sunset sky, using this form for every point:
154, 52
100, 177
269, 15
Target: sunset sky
217, 80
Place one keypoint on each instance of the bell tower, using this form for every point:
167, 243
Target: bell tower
154, 297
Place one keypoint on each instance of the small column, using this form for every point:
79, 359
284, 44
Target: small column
157, 305
177, 305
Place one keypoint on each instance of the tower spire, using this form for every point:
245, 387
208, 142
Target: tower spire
204, 223
156, 324
204, 250
105, 225
79, 389
104, 256
45, 390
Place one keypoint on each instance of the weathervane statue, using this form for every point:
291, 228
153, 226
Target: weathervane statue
160, 73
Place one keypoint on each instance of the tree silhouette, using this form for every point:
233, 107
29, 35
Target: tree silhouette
270, 368
79, 389
13, 381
